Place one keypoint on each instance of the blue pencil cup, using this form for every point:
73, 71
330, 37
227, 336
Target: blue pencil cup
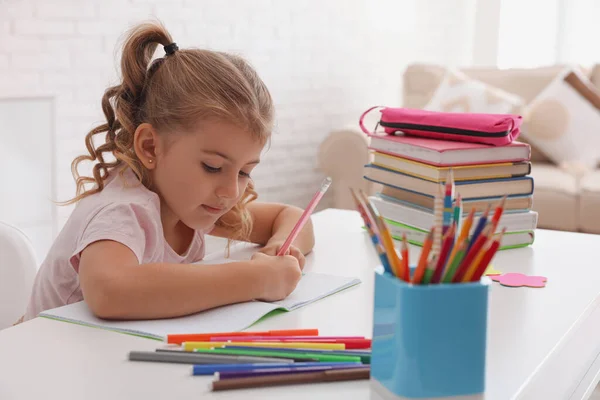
429, 341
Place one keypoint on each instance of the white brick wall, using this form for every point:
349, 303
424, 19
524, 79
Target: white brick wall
324, 62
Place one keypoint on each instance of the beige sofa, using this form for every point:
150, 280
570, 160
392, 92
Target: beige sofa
565, 200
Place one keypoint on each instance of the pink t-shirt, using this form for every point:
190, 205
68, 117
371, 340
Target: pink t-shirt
124, 211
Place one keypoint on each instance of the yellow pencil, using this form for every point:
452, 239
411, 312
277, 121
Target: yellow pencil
388, 244
191, 346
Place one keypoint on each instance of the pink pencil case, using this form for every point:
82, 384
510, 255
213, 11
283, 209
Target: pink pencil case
492, 129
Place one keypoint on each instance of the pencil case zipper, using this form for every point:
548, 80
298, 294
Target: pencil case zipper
441, 129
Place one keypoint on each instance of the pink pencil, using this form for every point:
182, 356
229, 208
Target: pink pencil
350, 343
304, 217
276, 338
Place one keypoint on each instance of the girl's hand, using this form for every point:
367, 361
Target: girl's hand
272, 248
279, 275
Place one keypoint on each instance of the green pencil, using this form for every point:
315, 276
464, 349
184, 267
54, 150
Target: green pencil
451, 270
457, 215
266, 353
430, 269
365, 356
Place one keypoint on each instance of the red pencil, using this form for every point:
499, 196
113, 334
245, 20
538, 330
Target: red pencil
405, 271
444, 253
498, 214
466, 262
485, 261
179, 338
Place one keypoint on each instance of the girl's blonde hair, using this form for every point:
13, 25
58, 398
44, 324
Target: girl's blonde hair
175, 91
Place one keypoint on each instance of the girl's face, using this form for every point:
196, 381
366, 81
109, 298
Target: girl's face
201, 175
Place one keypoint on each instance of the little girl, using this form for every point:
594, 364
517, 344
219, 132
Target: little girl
183, 135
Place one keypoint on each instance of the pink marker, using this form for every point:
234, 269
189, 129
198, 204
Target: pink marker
304, 217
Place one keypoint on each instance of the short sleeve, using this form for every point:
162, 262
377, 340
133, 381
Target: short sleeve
129, 224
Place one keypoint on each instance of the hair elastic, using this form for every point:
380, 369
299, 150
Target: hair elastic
171, 48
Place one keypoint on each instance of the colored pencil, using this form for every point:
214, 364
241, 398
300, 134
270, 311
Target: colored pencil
457, 210
405, 271
420, 270
183, 357
349, 343
471, 253
385, 236
488, 257
242, 373
365, 356
430, 269
498, 214
390, 250
365, 213
189, 346
457, 216
454, 261
438, 220
478, 258
335, 375
296, 338
369, 221
296, 356
466, 228
210, 369
304, 217
198, 337
444, 254
448, 195
479, 228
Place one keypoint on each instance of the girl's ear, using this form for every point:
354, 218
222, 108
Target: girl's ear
147, 145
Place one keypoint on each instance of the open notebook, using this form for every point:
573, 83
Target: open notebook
235, 317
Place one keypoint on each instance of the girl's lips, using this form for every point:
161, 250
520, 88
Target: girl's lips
212, 210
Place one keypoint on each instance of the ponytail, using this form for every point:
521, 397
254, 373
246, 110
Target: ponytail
121, 105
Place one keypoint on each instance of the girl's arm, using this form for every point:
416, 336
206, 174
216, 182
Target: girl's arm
273, 223
115, 286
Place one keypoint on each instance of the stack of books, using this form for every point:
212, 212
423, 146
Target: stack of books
412, 169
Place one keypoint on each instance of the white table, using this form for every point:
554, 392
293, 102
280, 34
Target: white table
542, 343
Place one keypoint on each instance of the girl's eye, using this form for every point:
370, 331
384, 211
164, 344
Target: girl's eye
210, 169
244, 174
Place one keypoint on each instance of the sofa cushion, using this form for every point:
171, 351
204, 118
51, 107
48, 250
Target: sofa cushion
459, 93
555, 197
560, 120
589, 202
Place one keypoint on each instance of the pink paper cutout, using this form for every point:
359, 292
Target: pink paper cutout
518, 280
